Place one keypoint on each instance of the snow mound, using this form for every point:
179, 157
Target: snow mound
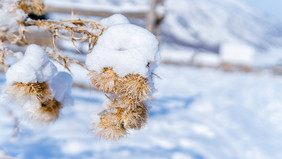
126, 48
33, 67
114, 20
61, 87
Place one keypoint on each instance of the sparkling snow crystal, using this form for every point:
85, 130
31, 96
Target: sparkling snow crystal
125, 48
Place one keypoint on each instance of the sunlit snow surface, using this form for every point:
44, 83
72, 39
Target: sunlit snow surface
196, 114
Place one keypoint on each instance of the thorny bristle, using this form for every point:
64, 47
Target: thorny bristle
132, 114
8, 34
51, 108
47, 110
78, 30
3, 53
110, 127
63, 60
127, 108
40, 90
31, 6
75, 30
132, 85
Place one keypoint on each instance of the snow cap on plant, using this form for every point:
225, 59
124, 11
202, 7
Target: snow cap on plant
114, 20
120, 64
32, 82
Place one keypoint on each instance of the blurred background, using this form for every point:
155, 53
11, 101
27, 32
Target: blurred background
219, 92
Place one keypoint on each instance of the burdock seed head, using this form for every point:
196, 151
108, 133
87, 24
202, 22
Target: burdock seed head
37, 99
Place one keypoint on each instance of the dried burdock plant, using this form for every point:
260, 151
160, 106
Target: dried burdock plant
3, 54
119, 64
74, 30
35, 83
11, 26
127, 107
62, 60
31, 6
133, 85
12, 17
43, 107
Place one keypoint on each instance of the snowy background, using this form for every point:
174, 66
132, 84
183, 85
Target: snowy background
197, 113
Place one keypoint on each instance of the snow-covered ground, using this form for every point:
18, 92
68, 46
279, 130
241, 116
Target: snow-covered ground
196, 114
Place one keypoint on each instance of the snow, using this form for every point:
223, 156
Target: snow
126, 48
114, 20
61, 85
4, 156
10, 17
237, 53
203, 24
179, 56
196, 113
207, 59
33, 67
272, 58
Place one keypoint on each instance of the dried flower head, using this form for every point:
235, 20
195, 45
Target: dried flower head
42, 106
31, 6
132, 85
127, 108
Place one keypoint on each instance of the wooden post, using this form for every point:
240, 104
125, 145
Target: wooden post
153, 19
151, 16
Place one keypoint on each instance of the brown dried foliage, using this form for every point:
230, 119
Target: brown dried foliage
63, 60
41, 92
3, 53
13, 38
31, 6
76, 30
28, 6
127, 108
132, 85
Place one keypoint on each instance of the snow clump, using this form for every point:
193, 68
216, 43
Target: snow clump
33, 67
121, 65
61, 85
114, 20
124, 47
35, 83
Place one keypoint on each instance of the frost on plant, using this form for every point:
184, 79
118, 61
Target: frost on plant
121, 65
